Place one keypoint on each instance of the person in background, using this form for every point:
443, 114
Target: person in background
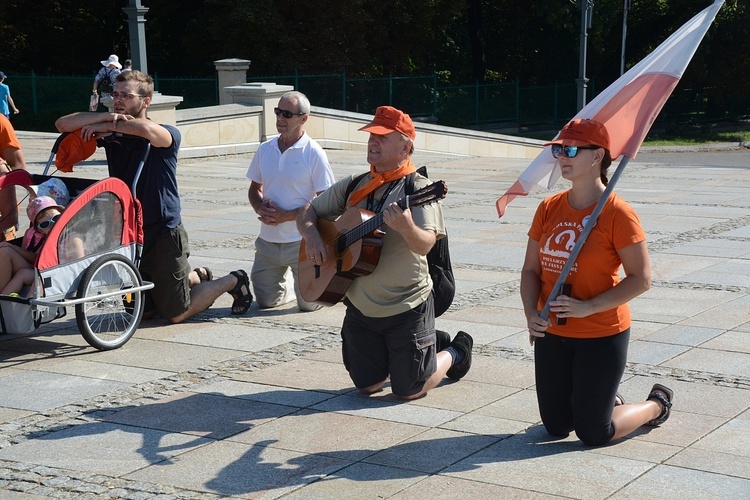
11, 158
286, 172
389, 327
104, 80
580, 352
127, 65
6, 101
178, 293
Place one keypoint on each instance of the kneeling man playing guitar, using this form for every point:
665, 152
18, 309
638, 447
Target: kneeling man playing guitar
370, 248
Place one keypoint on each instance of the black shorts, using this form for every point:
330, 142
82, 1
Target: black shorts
165, 263
400, 346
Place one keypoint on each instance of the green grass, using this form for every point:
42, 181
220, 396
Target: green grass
690, 138
674, 139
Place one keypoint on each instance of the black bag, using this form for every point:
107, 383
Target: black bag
107, 84
438, 258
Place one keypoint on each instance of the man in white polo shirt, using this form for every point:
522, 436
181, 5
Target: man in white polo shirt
286, 173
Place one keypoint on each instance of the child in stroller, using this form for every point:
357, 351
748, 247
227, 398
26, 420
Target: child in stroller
43, 212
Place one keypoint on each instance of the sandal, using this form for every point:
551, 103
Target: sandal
204, 274
619, 400
666, 402
243, 299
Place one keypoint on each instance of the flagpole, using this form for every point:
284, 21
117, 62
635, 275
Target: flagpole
584, 234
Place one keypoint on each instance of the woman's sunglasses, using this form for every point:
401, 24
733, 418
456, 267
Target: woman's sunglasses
48, 223
570, 151
285, 113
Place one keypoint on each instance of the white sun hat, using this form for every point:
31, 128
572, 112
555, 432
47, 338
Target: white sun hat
113, 59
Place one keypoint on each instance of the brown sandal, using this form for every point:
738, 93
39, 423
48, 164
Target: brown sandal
666, 402
204, 274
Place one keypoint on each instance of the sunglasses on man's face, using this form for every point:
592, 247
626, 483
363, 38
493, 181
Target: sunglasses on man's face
48, 223
285, 113
570, 151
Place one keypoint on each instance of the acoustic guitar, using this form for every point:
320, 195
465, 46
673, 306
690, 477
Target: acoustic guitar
353, 242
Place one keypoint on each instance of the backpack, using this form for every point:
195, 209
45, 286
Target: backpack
106, 84
438, 258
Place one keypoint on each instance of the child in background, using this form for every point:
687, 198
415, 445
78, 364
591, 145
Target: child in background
43, 212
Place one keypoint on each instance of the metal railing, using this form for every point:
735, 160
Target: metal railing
479, 105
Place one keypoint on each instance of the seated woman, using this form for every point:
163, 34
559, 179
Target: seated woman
43, 212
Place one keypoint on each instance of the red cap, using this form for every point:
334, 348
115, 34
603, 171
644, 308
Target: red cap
389, 119
72, 150
583, 132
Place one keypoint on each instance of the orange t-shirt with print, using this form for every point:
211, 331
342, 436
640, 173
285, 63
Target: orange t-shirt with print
557, 226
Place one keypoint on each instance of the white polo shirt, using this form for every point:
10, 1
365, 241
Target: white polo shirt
289, 179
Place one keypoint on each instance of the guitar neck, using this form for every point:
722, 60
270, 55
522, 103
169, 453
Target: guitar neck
368, 226
355, 234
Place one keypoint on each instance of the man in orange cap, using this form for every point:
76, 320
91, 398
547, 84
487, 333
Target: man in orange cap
11, 158
389, 327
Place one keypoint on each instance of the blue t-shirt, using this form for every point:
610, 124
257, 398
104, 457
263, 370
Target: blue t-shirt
157, 185
4, 93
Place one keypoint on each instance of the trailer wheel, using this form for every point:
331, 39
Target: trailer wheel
109, 322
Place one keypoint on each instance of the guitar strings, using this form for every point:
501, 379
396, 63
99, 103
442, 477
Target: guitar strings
343, 240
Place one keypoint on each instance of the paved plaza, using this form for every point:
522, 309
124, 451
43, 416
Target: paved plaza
260, 406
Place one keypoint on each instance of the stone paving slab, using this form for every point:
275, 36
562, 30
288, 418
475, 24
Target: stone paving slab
237, 469
41, 391
210, 415
680, 483
102, 448
529, 460
381, 408
286, 396
717, 462
260, 406
104, 371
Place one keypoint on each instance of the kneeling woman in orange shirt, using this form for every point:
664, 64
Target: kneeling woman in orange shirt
581, 351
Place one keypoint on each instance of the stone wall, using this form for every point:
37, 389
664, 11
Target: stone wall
245, 119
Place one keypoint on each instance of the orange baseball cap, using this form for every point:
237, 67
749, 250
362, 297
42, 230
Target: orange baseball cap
583, 132
389, 119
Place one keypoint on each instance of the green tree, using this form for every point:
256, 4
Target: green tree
535, 42
59, 36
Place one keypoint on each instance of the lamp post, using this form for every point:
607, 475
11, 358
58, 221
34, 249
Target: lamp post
136, 22
625, 8
587, 11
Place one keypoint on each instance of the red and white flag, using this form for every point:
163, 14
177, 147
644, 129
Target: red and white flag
629, 106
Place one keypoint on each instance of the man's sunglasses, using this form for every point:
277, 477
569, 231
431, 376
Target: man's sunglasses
285, 113
570, 151
48, 223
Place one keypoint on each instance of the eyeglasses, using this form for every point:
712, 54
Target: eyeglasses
48, 223
570, 151
285, 113
124, 95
